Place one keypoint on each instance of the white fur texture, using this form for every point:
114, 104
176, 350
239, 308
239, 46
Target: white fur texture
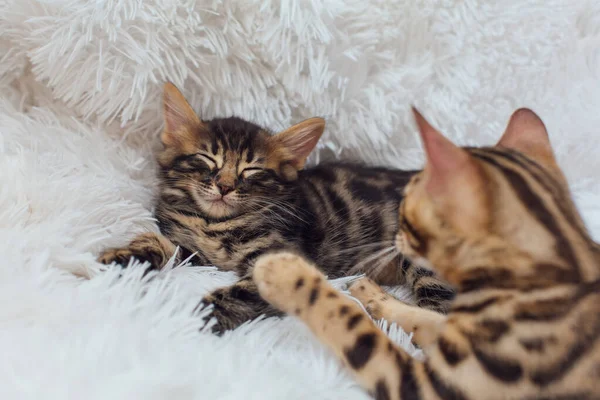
80, 88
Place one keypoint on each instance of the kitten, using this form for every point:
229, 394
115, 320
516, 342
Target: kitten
230, 191
499, 223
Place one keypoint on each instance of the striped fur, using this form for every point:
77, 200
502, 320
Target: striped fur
343, 217
499, 224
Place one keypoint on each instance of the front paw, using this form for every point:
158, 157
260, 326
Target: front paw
117, 256
124, 256
287, 281
234, 305
220, 322
147, 247
371, 295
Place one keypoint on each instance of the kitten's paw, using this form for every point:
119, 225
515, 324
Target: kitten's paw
124, 256
287, 281
146, 247
221, 323
117, 256
371, 295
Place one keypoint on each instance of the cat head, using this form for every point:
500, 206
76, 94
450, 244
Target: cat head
229, 165
513, 195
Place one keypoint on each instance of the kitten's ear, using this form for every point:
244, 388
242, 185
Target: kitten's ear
300, 140
526, 133
181, 122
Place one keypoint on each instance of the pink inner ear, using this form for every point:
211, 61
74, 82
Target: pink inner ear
445, 160
178, 114
301, 139
527, 134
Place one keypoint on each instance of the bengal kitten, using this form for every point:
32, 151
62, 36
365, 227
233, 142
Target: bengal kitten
230, 191
498, 223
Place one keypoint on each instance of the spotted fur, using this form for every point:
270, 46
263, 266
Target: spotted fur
231, 191
500, 225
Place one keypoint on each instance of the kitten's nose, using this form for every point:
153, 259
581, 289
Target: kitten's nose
224, 188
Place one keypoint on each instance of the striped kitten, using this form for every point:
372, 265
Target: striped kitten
498, 223
230, 191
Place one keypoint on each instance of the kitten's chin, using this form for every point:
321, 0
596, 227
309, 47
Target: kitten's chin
218, 208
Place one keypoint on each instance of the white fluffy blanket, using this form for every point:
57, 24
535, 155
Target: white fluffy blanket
80, 87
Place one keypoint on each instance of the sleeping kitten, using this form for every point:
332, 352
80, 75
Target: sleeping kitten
230, 191
498, 223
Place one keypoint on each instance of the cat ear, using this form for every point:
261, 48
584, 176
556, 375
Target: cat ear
300, 140
446, 162
181, 122
453, 180
526, 133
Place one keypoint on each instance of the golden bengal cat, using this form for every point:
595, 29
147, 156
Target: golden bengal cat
500, 225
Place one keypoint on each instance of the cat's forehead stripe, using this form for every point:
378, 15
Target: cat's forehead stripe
546, 180
530, 166
249, 154
536, 203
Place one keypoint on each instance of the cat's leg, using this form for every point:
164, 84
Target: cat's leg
293, 285
151, 247
233, 305
425, 324
430, 291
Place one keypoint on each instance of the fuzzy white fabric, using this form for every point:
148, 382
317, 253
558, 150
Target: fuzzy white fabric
80, 93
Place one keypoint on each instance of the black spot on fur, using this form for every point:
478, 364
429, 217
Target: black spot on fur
409, 387
492, 330
534, 345
344, 310
443, 389
505, 370
486, 278
476, 307
354, 320
314, 295
299, 283
382, 392
450, 351
332, 295
360, 354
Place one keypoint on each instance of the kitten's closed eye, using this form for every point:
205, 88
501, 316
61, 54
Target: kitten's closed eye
248, 172
192, 163
211, 162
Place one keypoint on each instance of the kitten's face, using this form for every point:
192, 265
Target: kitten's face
225, 167
506, 194
229, 166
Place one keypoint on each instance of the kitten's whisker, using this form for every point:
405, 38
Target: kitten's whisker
383, 264
281, 206
375, 256
365, 246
